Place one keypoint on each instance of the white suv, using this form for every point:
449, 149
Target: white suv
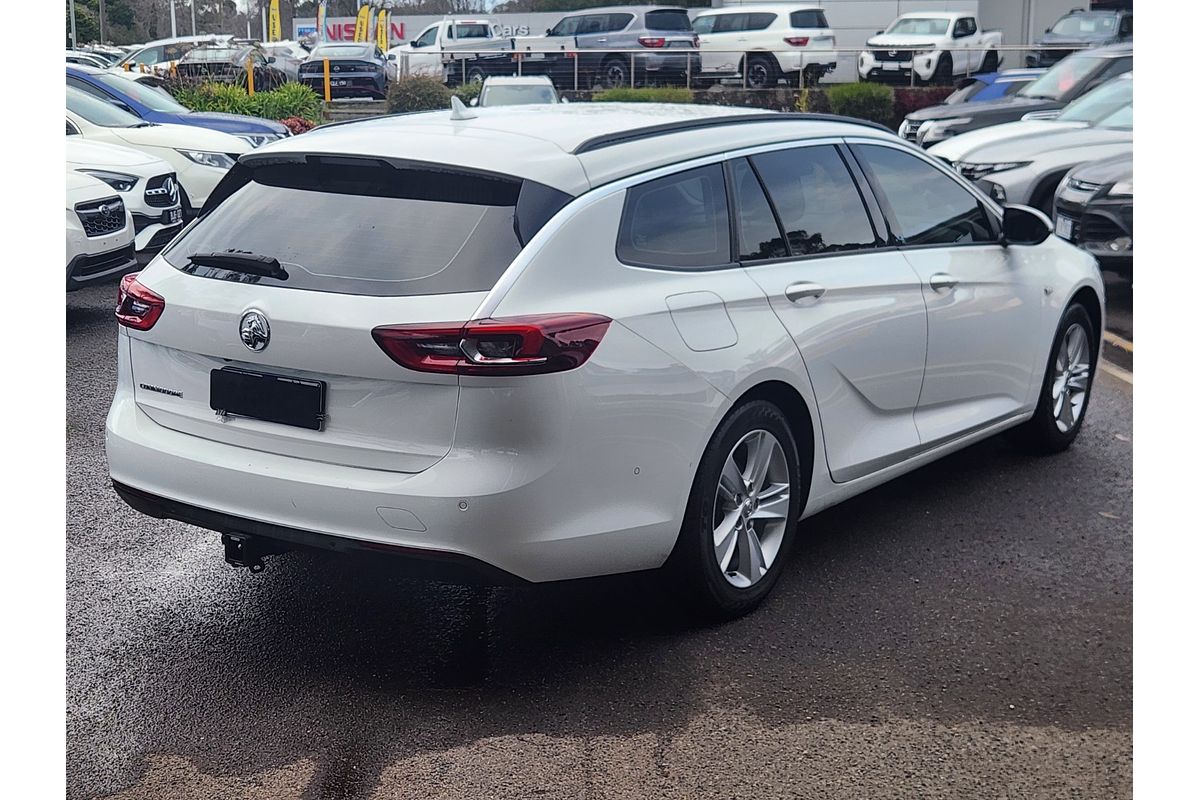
551, 342
769, 42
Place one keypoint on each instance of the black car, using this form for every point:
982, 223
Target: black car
1078, 30
356, 69
1065, 81
227, 64
1094, 210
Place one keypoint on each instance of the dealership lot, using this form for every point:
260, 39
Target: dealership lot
962, 628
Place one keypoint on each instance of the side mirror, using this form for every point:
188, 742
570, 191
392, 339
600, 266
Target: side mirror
878, 32
1025, 225
270, 59
474, 101
391, 56
547, 31
564, 100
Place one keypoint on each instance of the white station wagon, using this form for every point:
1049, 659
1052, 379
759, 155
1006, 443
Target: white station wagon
563, 341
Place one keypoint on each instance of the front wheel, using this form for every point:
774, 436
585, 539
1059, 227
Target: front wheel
1067, 387
943, 73
741, 516
991, 62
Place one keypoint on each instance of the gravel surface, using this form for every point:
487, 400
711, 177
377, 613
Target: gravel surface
962, 632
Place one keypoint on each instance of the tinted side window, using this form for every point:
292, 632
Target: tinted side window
758, 22
809, 19
679, 221
817, 200
731, 23
89, 88
617, 22
926, 205
758, 233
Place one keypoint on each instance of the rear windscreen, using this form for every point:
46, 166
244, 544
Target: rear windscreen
809, 18
373, 230
668, 21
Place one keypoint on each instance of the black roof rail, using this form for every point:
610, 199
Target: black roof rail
650, 131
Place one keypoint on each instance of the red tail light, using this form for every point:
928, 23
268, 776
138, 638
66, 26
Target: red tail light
138, 307
796, 41
652, 41
532, 345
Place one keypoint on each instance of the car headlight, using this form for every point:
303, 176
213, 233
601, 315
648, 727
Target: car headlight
218, 160
259, 139
117, 180
975, 171
935, 130
1122, 188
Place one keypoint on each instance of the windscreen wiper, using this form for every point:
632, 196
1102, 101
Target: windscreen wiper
242, 261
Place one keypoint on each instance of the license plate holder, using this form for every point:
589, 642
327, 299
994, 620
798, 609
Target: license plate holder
284, 400
172, 216
1064, 227
891, 66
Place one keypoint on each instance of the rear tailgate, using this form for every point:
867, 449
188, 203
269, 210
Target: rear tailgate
378, 415
361, 244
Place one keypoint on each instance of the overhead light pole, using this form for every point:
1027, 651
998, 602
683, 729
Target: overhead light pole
173, 34
74, 38
193, 4
101, 21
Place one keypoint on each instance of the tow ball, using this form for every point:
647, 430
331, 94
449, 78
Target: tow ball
243, 550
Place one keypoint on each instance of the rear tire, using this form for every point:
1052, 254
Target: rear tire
1066, 388
737, 533
761, 72
614, 73
991, 62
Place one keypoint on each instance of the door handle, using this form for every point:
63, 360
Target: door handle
803, 290
940, 280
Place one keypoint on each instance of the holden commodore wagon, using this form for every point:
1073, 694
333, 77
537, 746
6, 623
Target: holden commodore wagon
544, 343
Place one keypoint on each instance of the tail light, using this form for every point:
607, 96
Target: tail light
138, 307
796, 41
531, 345
652, 41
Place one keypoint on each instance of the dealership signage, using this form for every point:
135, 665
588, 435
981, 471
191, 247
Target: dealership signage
404, 28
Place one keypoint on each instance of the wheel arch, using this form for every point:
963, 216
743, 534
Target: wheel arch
742, 64
795, 410
1086, 296
1045, 187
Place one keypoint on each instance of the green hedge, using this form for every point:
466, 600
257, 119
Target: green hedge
417, 93
871, 101
289, 100
652, 94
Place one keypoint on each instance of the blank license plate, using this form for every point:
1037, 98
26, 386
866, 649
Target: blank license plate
1064, 227
271, 398
891, 66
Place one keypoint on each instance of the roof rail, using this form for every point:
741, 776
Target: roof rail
623, 137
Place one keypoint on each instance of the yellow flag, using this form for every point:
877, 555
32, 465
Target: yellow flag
274, 28
362, 24
381, 30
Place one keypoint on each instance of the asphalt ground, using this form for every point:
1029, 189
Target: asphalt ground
962, 632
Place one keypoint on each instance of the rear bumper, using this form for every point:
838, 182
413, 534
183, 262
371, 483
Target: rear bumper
342, 85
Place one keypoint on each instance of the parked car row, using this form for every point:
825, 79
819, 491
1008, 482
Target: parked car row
139, 166
1073, 163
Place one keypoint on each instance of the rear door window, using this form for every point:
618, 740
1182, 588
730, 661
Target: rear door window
758, 232
817, 200
369, 229
926, 205
809, 19
679, 222
668, 21
758, 22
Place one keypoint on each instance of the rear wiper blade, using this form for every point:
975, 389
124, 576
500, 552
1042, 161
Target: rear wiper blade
242, 261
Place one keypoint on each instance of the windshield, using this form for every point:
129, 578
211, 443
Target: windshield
216, 54
517, 95
149, 96
1100, 102
342, 51
1121, 119
963, 93
1059, 80
920, 25
98, 112
1086, 24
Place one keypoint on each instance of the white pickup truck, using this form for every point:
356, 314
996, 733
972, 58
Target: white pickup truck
936, 46
442, 46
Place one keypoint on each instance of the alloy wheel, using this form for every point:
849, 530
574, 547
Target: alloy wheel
1072, 371
751, 511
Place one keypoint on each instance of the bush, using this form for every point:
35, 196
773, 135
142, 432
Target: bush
910, 99
812, 101
468, 91
869, 101
289, 100
297, 124
416, 93
656, 94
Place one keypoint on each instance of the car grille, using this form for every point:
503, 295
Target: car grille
93, 265
162, 191
101, 217
908, 130
892, 55
1095, 228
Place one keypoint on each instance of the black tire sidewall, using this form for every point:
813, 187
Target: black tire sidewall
693, 558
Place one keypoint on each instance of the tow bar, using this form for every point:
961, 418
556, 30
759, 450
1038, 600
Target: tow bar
243, 550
